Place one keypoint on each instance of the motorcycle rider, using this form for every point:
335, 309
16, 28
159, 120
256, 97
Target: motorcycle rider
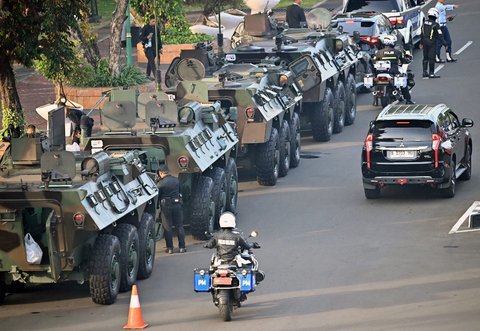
397, 56
228, 241
431, 35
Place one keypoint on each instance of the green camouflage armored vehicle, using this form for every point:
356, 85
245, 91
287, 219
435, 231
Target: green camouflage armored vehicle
267, 101
92, 217
323, 64
195, 140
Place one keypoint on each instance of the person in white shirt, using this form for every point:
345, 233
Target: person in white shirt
442, 20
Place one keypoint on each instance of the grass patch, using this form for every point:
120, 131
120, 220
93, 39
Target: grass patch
106, 9
306, 4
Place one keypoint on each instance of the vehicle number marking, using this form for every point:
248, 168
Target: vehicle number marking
222, 281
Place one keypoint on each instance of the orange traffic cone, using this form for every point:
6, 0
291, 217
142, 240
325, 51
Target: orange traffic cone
135, 319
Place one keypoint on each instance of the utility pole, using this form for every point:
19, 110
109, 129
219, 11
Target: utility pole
158, 72
128, 36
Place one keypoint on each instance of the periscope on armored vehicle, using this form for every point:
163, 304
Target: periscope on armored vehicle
94, 213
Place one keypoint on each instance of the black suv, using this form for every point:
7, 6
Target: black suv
416, 144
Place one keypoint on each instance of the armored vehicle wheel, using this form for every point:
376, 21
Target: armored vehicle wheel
129, 251
232, 185
285, 149
268, 159
323, 117
219, 191
372, 193
3, 290
295, 141
146, 238
203, 208
104, 279
351, 100
340, 108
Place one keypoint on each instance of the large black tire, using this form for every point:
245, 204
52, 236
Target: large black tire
129, 252
219, 178
449, 192
105, 275
146, 238
295, 141
372, 193
268, 160
467, 174
232, 185
225, 306
340, 108
351, 100
322, 118
285, 149
202, 208
3, 291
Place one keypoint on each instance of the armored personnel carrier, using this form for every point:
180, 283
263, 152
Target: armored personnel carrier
195, 140
267, 101
323, 63
92, 218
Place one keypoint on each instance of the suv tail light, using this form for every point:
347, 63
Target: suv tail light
371, 40
436, 140
396, 20
368, 148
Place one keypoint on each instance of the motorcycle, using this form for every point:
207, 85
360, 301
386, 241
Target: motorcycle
229, 283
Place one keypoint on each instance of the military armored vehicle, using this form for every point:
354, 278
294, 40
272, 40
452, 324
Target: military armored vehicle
323, 63
267, 101
195, 140
92, 217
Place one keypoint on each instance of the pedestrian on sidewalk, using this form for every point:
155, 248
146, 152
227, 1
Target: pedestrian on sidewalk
171, 208
442, 20
295, 15
431, 36
150, 38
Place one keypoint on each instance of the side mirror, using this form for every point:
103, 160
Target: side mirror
466, 122
254, 234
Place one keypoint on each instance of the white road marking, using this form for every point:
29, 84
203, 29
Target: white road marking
463, 48
440, 67
463, 218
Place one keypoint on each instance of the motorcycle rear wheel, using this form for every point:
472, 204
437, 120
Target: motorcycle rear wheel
226, 306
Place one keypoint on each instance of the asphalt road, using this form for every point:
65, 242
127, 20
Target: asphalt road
334, 260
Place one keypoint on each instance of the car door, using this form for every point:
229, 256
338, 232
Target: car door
459, 135
411, 13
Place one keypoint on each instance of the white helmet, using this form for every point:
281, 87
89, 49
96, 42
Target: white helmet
227, 220
389, 40
433, 12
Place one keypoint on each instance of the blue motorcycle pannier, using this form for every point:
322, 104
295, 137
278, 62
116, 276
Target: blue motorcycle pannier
201, 280
247, 282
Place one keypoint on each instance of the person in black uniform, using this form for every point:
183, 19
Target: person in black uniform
431, 35
149, 41
397, 57
295, 14
171, 208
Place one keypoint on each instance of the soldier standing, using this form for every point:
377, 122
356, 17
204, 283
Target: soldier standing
171, 204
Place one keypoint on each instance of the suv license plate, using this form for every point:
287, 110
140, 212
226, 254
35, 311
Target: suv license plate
402, 154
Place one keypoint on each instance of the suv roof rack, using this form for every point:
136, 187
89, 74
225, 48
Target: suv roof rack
424, 111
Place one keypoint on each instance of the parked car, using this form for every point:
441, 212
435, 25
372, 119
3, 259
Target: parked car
405, 15
416, 144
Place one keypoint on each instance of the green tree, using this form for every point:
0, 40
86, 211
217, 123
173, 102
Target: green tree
31, 30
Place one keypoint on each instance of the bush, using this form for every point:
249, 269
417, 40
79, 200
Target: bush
87, 76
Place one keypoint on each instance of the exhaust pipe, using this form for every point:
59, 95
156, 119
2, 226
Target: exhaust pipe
394, 93
375, 93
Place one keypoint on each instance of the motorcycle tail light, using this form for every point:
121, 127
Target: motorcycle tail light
436, 140
372, 40
223, 273
368, 148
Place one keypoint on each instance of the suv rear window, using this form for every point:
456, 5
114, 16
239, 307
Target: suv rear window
382, 6
402, 131
364, 28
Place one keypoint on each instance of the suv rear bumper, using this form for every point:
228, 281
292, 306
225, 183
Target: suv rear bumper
380, 181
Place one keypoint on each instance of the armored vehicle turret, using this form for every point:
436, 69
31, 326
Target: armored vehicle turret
91, 216
323, 64
267, 101
195, 139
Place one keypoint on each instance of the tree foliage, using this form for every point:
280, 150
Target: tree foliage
34, 30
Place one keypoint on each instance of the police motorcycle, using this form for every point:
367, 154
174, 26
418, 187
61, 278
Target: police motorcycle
387, 86
229, 282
